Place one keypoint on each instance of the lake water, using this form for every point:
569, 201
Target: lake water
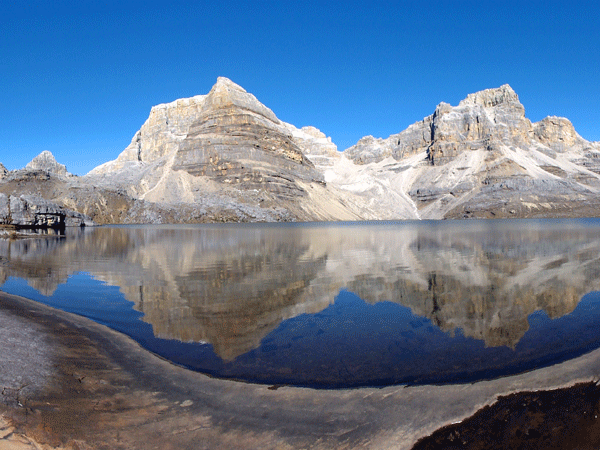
331, 305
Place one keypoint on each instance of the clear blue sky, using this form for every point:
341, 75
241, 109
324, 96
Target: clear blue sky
78, 78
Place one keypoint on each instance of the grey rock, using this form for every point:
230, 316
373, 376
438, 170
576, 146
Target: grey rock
224, 156
29, 211
5, 218
237, 140
45, 161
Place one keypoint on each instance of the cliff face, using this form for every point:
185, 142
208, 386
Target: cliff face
225, 156
29, 211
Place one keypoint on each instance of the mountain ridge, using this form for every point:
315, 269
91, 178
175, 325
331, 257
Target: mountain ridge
225, 156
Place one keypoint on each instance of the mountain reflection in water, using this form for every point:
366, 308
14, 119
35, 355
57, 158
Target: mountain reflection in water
360, 295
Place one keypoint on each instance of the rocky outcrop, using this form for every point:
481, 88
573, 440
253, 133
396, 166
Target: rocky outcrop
315, 145
34, 212
479, 121
238, 141
227, 152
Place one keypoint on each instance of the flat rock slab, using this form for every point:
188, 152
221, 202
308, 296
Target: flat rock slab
105, 391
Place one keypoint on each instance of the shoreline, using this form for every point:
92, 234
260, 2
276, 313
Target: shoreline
105, 391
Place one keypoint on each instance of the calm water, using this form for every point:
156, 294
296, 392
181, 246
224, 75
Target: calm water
331, 305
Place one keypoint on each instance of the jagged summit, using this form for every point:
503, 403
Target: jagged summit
484, 118
225, 94
489, 98
481, 158
45, 161
223, 146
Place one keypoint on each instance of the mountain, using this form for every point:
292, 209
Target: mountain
229, 156
46, 161
225, 157
482, 158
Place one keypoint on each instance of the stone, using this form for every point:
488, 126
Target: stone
5, 218
226, 151
557, 133
236, 139
315, 145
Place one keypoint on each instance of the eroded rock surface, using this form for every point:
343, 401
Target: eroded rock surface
226, 153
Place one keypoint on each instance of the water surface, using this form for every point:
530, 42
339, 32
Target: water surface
331, 305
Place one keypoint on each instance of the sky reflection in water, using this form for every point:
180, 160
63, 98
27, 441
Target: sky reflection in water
331, 305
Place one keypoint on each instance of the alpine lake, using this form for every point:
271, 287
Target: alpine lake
330, 305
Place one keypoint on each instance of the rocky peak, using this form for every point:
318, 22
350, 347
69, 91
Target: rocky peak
485, 119
225, 140
45, 161
369, 149
225, 95
489, 98
315, 145
441, 109
226, 83
479, 121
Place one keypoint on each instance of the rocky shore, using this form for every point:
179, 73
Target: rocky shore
69, 383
